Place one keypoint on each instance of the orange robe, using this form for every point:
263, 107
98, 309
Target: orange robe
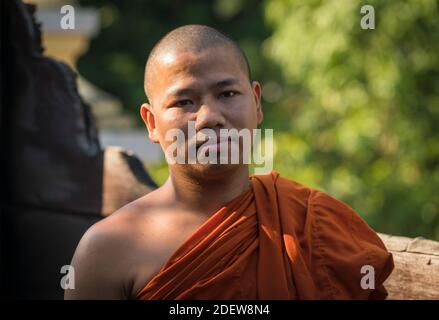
277, 240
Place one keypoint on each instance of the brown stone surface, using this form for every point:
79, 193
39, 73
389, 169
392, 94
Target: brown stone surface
416, 273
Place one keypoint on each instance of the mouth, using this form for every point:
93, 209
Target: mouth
218, 143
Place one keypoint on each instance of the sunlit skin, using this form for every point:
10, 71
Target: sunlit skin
120, 254
212, 89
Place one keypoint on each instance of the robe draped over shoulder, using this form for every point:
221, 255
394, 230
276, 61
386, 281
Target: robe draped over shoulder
277, 240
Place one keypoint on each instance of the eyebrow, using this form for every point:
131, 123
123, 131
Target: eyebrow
185, 91
179, 92
224, 83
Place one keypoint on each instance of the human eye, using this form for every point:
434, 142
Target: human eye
183, 103
228, 94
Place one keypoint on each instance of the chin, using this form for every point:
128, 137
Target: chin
214, 171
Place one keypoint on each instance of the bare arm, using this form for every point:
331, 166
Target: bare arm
97, 264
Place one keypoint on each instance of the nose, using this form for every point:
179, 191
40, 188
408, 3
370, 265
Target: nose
209, 116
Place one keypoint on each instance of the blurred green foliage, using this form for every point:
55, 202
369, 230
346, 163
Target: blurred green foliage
355, 112
364, 120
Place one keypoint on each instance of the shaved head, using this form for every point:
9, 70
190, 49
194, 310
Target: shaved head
191, 38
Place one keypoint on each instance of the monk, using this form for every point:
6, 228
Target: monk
212, 231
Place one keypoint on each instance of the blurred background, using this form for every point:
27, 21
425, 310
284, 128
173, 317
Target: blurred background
355, 112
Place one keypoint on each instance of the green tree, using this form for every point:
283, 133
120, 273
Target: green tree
363, 115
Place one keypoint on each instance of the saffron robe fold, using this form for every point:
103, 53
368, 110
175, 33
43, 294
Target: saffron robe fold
277, 240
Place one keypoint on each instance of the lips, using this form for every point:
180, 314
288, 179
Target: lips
209, 142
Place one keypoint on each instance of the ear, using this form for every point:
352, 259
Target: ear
148, 118
257, 93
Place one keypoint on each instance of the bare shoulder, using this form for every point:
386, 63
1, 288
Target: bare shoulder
106, 256
120, 253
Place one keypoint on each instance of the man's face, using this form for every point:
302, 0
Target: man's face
209, 87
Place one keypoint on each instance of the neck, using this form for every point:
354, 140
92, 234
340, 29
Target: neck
206, 194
